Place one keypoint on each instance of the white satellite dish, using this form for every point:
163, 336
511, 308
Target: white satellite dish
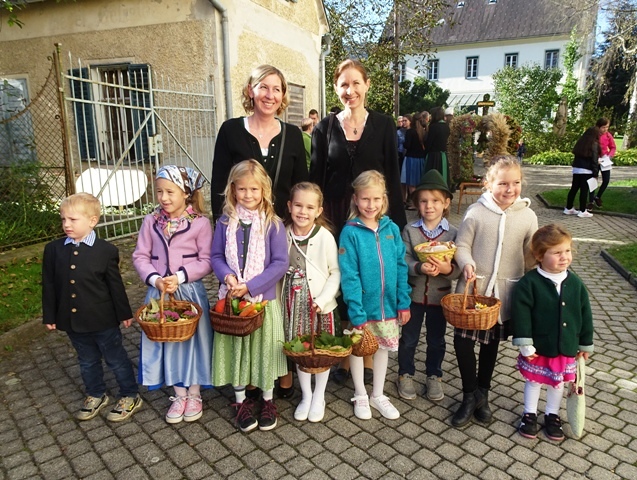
124, 187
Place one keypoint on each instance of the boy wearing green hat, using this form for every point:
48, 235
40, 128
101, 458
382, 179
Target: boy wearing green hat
430, 281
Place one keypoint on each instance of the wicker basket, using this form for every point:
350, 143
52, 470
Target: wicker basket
368, 345
229, 324
422, 256
316, 360
459, 309
164, 331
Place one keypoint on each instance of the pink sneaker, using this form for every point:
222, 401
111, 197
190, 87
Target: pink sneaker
176, 411
194, 408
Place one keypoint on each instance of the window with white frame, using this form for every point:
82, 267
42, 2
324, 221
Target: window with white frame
551, 59
432, 70
402, 71
511, 60
472, 68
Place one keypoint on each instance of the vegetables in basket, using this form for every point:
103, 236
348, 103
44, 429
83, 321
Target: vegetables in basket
240, 307
324, 341
151, 313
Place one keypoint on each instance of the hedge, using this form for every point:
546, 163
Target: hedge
623, 158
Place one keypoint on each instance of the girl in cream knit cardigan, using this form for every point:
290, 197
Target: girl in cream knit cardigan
493, 245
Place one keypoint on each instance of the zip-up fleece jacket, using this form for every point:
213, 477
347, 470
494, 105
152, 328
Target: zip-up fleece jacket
373, 271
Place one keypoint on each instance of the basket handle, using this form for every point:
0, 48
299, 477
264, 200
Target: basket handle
312, 334
162, 293
466, 292
227, 308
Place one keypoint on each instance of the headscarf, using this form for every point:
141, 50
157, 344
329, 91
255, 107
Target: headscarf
186, 178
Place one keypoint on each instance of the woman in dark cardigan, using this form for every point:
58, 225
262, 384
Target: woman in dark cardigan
259, 136
359, 140
436, 145
345, 145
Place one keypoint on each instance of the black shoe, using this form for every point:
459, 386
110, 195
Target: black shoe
553, 427
590, 206
368, 375
268, 417
284, 392
465, 411
483, 412
598, 202
340, 376
254, 394
528, 426
245, 417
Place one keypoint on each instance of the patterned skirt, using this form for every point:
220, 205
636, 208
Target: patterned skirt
495, 334
387, 333
547, 370
297, 308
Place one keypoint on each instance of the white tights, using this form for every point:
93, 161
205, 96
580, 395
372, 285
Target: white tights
356, 366
532, 397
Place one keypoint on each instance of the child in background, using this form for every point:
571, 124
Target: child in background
312, 282
607, 152
493, 242
173, 255
374, 285
83, 295
552, 325
249, 256
430, 281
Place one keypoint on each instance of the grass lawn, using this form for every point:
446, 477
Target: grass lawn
620, 197
626, 255
20, 292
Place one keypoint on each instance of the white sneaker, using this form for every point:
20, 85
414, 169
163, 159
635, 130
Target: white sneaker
585, 214
384, 406
571, 211
302, 410
361, 407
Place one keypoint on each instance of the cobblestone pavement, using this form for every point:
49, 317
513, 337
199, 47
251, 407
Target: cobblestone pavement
40, 389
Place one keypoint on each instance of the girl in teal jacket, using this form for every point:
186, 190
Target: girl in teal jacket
374, 285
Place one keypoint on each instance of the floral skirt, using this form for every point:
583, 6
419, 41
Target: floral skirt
297, 307
547, 370
387, 333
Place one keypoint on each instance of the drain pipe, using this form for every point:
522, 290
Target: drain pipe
326, 41
225, 40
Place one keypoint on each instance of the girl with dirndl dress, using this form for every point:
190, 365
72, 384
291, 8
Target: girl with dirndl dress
310, 287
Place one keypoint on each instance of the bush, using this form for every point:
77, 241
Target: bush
626, 158
552, 157
538, 142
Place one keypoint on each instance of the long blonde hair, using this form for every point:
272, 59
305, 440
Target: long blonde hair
255, 170
368, 179
257, 75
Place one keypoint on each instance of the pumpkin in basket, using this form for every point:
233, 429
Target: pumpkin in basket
435, 249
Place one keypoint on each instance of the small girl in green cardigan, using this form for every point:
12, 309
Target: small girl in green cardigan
552, 325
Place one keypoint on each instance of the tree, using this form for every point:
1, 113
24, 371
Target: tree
421, 95
380, 33
528, 94
10, 8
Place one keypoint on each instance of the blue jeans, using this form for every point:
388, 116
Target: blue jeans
436, 325
107, 344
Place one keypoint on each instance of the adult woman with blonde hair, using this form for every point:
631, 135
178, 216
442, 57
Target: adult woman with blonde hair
276, 145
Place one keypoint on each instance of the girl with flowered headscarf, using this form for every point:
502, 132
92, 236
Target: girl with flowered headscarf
173, 255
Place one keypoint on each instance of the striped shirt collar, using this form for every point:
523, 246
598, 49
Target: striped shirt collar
443, 226
89, 240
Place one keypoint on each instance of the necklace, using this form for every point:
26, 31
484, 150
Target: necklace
355, 128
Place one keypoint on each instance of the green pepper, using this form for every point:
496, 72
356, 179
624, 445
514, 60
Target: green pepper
235, 306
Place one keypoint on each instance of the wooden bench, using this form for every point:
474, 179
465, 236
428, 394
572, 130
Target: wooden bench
468, 188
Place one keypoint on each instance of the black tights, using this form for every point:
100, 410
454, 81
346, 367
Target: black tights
466, 356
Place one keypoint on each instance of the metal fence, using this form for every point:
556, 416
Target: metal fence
98, 128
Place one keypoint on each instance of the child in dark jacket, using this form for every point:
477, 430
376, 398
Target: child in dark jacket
430, 281
552, 325
83, 295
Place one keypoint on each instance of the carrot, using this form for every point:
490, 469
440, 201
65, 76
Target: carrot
250, 309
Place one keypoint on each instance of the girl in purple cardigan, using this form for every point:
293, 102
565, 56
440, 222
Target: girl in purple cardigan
173, 254
249, 256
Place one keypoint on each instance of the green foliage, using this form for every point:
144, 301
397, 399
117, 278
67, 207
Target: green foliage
570, 89
528, 94
551, 157
21, 287
626, 158
28, 214
538, 142
421, 95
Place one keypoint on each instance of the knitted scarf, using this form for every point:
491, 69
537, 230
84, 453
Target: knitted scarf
255, 258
